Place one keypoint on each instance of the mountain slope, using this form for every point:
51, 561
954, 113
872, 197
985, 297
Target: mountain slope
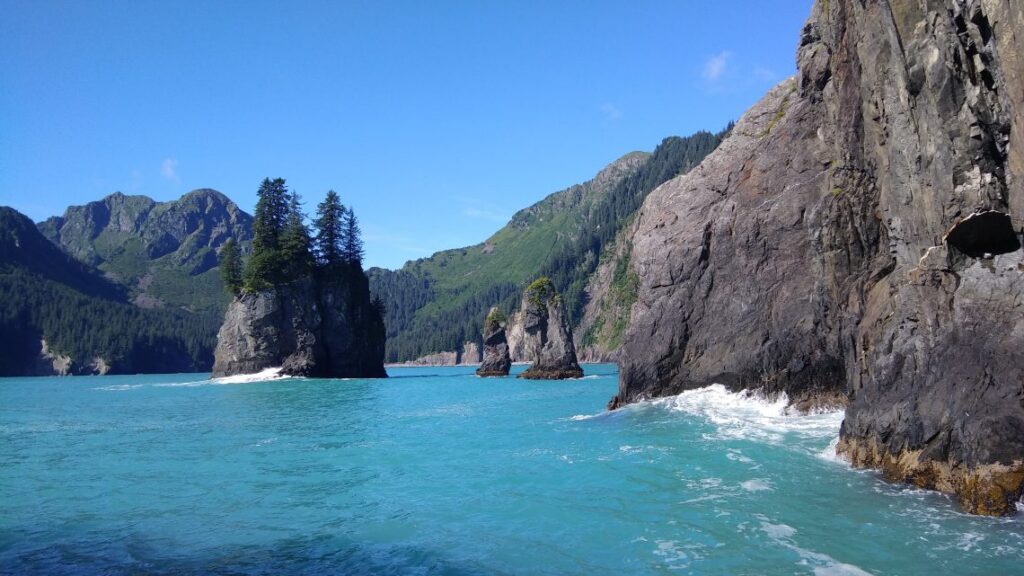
165, 253
436, 304
58, 315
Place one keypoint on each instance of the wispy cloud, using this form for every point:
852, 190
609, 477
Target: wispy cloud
610, 111
169, 170
715, 66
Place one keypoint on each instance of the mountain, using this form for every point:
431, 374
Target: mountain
58, 315
857, 237
165, 253
435, 304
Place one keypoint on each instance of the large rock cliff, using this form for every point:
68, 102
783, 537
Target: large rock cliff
547, 340
855, 237
317, 328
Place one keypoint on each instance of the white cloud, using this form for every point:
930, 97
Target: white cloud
610, 111
169, 169
715, 66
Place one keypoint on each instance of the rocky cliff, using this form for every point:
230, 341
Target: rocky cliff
496, 361
856, 236
547, 340
324, 328
156, 249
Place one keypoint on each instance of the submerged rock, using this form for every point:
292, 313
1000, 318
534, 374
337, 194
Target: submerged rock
856, 234
547, 340
317, 328
497, 361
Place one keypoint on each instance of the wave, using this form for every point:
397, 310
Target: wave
119, 387
261, 376
751, 415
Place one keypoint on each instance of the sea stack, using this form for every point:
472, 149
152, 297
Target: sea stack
496, 360
545, 326
309, 327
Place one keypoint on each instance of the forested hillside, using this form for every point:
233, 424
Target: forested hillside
84, 318
438, 303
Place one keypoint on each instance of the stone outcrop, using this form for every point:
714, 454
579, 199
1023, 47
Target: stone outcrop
470, 354
497, 361
325, 329
547, 340
854, 236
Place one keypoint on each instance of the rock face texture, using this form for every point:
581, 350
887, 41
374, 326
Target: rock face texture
547, 339
819, 251
497, 361
470, 354
325, 329
154, 248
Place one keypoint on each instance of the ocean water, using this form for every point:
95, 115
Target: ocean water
435, 471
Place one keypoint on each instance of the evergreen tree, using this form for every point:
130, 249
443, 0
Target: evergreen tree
296, 245
329, 223
352, 243
265, 265
231, 267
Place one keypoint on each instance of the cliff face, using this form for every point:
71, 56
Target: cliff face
325, 329
827, 249
547, 340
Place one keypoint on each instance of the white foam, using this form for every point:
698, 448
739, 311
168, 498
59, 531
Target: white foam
748, 415
756, 485
829, 452
822, 564
119, 387
263, 375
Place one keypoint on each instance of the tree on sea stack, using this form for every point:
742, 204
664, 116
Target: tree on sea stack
352, 243
265, 266
297, 313
231, 267
296, 245
329, 223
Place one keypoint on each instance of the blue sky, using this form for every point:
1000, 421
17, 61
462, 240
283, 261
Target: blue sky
435, 120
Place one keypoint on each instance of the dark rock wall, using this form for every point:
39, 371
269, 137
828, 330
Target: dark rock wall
807, 254
308, 328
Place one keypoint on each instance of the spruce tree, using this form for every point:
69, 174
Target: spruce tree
265, 266
352, 244
296, 245
231, 267
329, 225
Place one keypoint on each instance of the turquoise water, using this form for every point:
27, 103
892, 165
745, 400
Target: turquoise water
435, 471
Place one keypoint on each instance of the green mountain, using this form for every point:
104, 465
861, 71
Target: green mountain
164, 253
60, 315
436, 304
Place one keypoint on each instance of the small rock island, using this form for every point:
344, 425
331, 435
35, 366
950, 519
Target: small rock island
302, 302
547, 340
496, 360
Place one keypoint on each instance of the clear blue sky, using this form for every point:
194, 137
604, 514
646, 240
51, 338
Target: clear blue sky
435, 120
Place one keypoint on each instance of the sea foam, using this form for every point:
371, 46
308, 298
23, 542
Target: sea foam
261, 376
749, 415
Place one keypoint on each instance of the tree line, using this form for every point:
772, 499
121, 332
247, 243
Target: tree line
284, 248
